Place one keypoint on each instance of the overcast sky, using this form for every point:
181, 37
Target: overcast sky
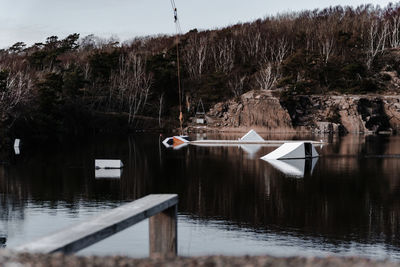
32, 21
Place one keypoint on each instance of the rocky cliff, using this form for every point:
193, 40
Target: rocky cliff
272, 112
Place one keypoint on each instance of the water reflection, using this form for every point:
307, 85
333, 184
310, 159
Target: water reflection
251, 149
347, 198
294, 167
107, 173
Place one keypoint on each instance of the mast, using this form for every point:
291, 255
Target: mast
178, 32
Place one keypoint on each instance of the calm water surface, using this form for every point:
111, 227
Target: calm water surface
231, 202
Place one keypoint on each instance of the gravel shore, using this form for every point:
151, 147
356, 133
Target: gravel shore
11, 259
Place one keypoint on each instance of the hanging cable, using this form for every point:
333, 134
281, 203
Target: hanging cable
178, 32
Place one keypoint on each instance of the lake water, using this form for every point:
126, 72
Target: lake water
231, 202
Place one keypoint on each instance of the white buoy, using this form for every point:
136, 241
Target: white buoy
17, 143
108, 164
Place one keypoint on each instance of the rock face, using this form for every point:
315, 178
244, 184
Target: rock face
255, 109
319, 113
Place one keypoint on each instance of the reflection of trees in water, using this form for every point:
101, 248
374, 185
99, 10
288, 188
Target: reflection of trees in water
136, 177
348, 197
64, 176
10, 198
351, 198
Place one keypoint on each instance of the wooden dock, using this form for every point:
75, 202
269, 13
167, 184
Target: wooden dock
161, 209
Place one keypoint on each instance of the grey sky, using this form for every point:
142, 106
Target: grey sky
33, 20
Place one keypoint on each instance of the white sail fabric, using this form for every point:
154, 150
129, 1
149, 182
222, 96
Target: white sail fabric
252, 136
293, 150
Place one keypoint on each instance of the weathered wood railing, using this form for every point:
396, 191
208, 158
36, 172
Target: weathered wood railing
161, 209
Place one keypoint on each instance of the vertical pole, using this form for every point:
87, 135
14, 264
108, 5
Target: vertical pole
163, 233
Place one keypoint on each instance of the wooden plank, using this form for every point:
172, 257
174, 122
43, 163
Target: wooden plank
163, 233
84, 234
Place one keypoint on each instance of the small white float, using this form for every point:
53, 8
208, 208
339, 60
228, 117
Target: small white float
17, 143
108, 164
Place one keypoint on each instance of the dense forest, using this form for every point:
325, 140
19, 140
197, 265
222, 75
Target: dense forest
80, 84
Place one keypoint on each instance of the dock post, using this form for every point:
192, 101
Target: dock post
163, 233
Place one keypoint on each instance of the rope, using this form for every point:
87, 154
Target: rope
178, 32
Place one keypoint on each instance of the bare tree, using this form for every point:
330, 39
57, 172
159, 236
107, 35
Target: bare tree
265, 53
194, 55
131, 84
326, 44
266, 77
394, 33
250, 43
17, 91
281, 50
224, 55
376, 41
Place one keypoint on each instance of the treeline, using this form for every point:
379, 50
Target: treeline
61, 84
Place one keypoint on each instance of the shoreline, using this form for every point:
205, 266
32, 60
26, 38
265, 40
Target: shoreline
10, 258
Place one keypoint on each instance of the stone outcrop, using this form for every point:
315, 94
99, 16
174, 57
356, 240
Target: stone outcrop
269, 112
255, 109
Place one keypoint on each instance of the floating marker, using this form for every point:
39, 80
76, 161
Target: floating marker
108, 164
17, 142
